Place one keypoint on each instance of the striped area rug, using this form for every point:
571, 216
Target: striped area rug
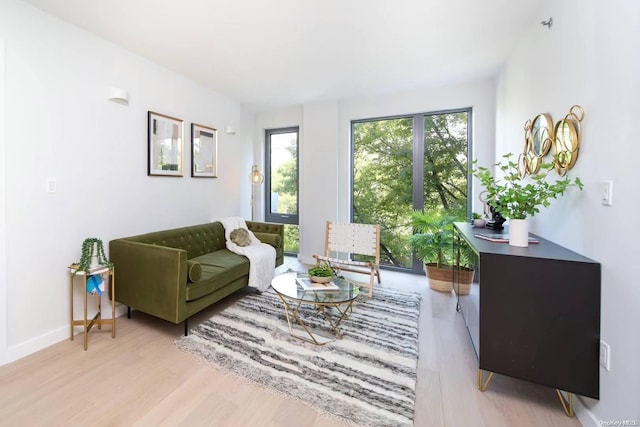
367, 378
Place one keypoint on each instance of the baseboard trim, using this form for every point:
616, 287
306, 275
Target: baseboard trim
584, 414
24, 349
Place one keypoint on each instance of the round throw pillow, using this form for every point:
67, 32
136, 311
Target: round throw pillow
194, 271
240, 236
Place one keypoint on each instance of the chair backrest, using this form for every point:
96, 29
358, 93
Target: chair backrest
351, 238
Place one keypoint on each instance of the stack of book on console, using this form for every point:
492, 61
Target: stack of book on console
308, 285
500, 237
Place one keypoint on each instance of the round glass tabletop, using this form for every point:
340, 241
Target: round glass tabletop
291, 285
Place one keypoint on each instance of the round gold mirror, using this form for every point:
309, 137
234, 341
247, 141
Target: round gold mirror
538, 140
541, 134
565, 145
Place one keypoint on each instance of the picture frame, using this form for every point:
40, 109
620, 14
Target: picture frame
204, 151
165, 145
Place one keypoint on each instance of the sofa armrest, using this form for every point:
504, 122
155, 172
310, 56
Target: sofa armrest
271, 233
150, 278
272, 239
268, 229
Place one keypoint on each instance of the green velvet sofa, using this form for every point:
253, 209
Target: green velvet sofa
173, 274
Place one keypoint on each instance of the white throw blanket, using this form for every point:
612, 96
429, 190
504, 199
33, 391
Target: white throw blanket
262, 256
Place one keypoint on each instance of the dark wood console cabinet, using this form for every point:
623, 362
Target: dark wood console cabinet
533, 313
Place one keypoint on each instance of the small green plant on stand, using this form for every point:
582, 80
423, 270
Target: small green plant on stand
87, 252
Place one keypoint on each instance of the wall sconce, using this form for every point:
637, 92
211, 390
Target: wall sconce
230, 130
257, 178
118, 95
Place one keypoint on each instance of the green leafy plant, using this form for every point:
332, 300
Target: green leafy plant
518, 198
87, 252
321, 270
476, 215
433, 238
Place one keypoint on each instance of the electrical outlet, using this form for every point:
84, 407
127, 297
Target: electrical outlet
605, 355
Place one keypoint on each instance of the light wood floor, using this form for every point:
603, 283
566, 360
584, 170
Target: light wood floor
140, 379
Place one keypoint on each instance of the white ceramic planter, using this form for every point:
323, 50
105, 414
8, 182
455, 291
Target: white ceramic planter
479, 223
518, 233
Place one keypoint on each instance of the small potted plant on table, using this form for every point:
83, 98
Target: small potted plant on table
321, 273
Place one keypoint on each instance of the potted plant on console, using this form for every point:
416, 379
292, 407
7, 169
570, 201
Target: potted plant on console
433, 243
518, 198
477, 220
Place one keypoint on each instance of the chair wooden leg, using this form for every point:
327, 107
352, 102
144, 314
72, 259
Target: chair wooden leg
371, 281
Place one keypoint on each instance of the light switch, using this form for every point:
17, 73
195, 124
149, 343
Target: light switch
51, 185
607, 193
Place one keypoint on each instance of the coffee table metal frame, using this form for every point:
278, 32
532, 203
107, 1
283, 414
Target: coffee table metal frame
293, 297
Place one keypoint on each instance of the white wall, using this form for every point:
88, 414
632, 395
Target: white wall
590, 57
325, 156
319, 182
60, 124
3, 217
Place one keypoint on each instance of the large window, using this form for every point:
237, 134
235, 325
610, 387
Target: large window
405, 163
281, 182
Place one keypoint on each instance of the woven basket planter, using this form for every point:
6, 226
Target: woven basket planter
441, 279
463, 280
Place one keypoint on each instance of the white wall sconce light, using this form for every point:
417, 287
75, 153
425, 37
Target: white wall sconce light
230, 130
118, 95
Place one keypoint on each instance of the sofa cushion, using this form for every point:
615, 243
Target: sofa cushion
194, 271
219, 268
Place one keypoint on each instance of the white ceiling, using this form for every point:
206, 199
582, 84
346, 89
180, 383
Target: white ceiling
286, 52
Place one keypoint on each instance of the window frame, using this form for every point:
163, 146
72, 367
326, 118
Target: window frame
418, 167
268, 215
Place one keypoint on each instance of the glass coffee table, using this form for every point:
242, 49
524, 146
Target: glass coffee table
293, 297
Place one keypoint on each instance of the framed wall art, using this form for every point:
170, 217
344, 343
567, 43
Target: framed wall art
166, 145
204, 151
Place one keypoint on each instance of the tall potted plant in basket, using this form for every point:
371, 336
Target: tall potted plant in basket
518, 198
433, 243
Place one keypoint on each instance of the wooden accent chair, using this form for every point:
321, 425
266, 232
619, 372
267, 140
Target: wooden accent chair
352, 239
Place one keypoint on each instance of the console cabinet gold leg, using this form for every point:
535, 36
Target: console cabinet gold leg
567, 404
483, 384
